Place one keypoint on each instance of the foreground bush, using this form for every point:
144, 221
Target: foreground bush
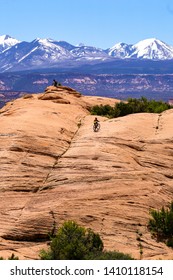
132, 106
161, 224
74, 242
110, 255
12, 257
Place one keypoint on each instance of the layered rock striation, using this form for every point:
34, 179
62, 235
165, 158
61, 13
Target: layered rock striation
55, 168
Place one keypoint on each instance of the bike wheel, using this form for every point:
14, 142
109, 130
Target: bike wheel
96, 127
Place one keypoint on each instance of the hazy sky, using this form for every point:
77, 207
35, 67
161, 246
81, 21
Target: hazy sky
100, 23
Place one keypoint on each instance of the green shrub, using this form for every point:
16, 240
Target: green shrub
169, 242
74, 242
103, 110
110, 255
12, 257
132, 106
161, 224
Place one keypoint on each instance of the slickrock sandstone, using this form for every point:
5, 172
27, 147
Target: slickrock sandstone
55, 168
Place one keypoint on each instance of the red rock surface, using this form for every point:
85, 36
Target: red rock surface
55, 168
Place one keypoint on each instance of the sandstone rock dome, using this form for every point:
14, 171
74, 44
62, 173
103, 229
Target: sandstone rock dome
55, 168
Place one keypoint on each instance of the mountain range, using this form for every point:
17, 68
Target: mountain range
18, 55
121, 71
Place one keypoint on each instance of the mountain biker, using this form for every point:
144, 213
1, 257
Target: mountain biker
96, 125
96, 121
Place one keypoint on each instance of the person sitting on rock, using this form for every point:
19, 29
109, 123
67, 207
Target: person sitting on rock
55, 83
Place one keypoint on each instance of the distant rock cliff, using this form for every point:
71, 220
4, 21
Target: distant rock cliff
120, 86
55, 168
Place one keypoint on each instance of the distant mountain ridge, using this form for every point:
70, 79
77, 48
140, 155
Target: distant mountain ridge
6, 41
122, 71
146, 49
18, 55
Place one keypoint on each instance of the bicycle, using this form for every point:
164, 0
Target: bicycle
96, 127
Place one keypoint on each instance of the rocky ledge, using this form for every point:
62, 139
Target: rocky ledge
55, 168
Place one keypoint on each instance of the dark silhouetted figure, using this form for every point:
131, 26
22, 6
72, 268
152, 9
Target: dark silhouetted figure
55, 83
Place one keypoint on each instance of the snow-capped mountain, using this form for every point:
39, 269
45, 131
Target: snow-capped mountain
152, 49
64, 45
145, 49
38, 53
46, 53
6, 41
120, 50
41, 53
43, 50
88, 53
